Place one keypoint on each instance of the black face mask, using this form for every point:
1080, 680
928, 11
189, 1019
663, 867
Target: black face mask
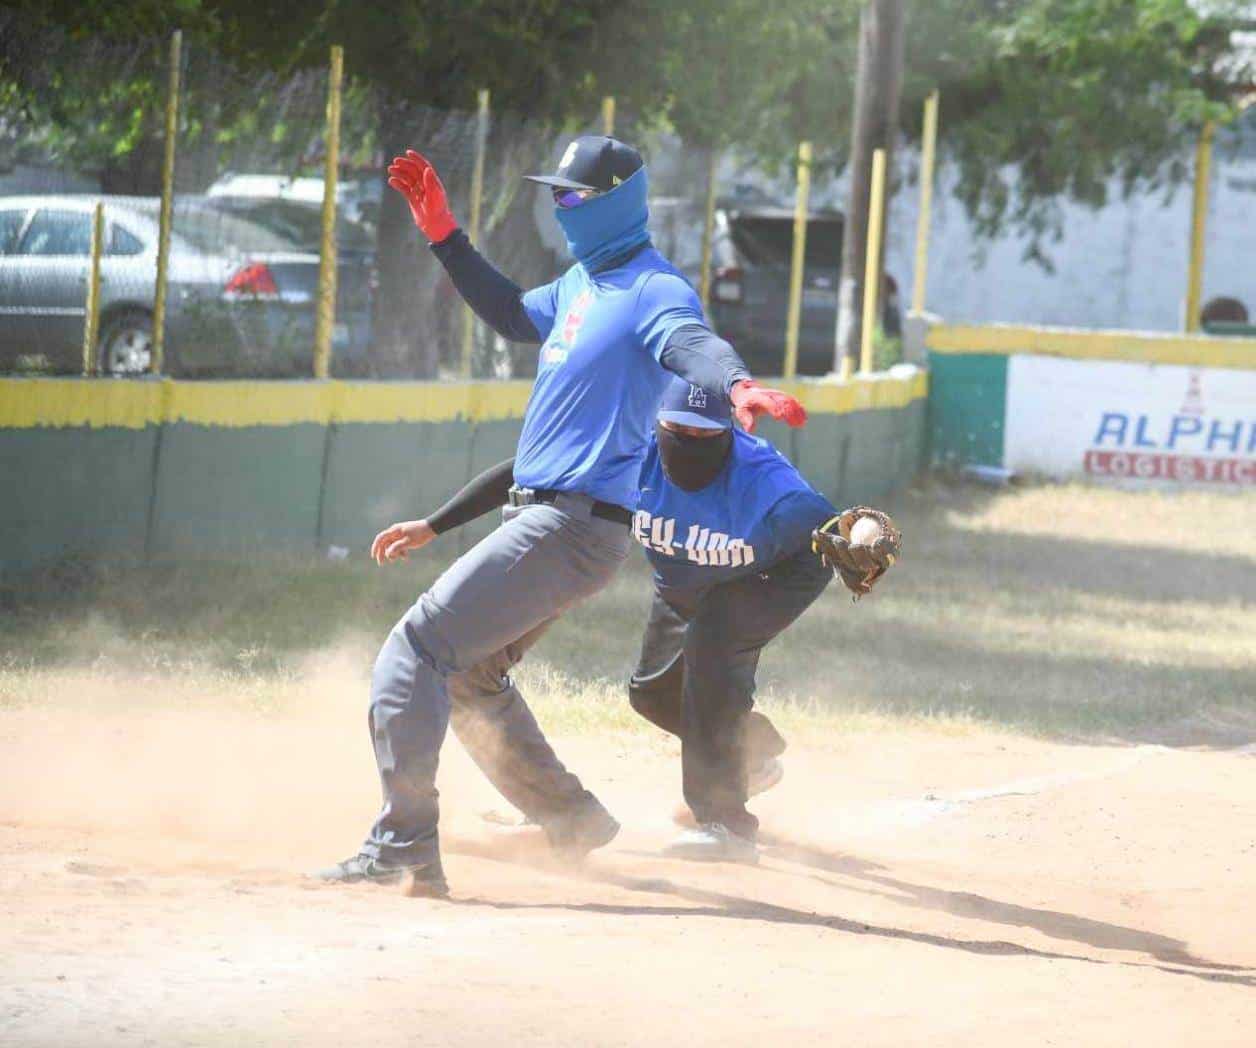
691, 463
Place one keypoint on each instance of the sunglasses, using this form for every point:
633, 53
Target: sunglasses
573, 197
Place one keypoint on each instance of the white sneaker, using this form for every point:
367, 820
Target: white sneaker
713, 842
764, 777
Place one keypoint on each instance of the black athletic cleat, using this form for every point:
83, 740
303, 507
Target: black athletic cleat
426, 880
581, 829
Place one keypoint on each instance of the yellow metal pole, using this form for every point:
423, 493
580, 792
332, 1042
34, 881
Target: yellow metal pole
872, 261
708, 229
91, 318
928, 153
473, 231
167, 204
798, 261
608, 115
1199, 222
325, 323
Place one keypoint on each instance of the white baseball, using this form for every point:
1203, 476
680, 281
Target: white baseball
865, 531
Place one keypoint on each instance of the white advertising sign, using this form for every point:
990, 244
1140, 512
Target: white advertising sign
1113, 420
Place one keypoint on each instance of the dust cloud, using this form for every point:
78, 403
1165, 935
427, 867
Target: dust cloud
200, 772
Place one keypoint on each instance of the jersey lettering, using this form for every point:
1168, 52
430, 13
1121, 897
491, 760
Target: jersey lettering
654, 533
702, 546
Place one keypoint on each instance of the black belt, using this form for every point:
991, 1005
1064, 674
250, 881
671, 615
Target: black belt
605, 510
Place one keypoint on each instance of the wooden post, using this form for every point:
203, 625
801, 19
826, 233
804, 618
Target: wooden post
1199, 225
473, 228
872, 269
325, 323
928, 154
797, 267
166, 215
91, 317
608, 115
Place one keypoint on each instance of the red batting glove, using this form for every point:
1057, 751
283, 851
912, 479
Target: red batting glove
750, 400
416, 180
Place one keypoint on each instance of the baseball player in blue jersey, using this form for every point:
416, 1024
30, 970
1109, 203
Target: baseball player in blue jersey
613, 330
741, 546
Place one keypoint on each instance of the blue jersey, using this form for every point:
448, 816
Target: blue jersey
757, 511
599, 380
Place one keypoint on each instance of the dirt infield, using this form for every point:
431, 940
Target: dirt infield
1018, 808
917, 888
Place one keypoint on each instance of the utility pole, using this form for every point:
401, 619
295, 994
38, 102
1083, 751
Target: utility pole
878, 83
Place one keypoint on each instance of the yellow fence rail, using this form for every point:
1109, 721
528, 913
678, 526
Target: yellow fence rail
28, 403
1135, 347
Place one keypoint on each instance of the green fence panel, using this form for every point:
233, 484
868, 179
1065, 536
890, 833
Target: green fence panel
492, 442
379, 473
73, 491
218, 487
872, 457
225, 489
913, 419
967, 402
854, 457
821, 448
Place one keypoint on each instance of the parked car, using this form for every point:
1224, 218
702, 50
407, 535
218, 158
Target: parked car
299, 222
241, 297
751, 255
302, 223
358, 201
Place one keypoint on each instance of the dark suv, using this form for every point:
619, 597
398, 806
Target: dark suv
751, 256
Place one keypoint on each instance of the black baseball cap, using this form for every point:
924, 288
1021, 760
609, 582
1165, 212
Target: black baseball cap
593, 162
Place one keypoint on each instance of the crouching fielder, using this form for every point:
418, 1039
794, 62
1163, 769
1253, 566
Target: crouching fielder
741, 546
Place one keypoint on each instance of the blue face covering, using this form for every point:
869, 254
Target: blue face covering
607, 227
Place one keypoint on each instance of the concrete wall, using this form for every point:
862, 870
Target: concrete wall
156, 468
1032, 399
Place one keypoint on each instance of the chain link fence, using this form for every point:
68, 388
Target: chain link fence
246, 217
82, 122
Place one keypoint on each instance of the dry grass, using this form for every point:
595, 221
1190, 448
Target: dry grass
1065, 610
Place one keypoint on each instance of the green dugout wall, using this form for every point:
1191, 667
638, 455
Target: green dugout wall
151, 468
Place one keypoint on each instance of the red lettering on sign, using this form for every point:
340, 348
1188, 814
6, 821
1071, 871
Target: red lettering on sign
1149, 466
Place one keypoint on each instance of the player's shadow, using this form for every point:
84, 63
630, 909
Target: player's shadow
1171, 954
1053, 923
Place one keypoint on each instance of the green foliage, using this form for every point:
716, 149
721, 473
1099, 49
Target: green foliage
887, 350
739, 72
1041, 98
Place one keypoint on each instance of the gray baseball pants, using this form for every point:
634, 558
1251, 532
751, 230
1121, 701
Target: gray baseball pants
450, 656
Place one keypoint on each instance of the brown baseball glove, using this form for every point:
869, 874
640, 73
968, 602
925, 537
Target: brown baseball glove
859, 545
